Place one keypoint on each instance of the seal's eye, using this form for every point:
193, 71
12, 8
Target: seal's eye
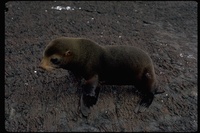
55, 61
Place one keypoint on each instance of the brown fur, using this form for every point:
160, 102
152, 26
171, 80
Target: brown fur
120, 65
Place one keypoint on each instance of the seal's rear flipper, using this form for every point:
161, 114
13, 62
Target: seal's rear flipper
159, 92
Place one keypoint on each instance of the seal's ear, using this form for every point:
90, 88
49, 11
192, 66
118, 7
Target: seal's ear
68, 53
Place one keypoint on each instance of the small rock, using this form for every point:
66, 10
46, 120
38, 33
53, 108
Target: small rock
68, 8
74, 119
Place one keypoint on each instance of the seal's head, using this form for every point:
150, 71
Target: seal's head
56, 54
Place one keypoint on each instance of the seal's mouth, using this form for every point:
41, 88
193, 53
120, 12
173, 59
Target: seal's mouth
48, 68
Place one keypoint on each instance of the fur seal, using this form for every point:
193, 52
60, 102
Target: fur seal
114, 65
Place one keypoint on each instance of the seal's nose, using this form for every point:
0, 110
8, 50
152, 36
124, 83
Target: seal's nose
42, 64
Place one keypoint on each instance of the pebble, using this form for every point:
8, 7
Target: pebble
68, 8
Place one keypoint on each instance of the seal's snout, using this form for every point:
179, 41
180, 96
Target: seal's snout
45, 65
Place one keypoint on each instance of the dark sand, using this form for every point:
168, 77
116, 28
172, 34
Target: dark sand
36, 100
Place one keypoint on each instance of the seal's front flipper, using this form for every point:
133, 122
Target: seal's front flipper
85, 110
90, 95
144, 103
87, 101
90, 100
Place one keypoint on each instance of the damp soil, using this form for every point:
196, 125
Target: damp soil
37, 100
